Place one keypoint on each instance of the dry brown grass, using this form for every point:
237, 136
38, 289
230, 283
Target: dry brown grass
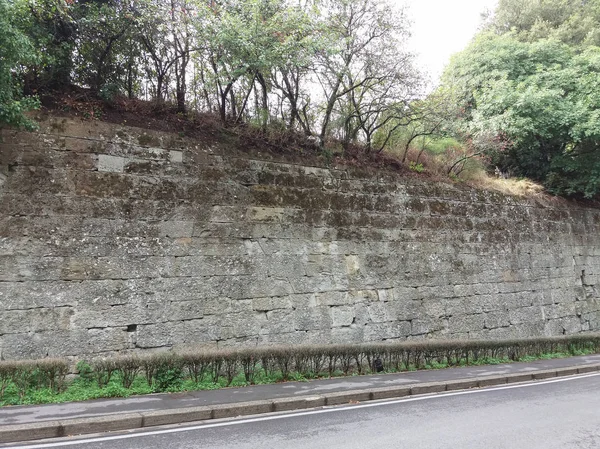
522, 188
474, 175
510, 186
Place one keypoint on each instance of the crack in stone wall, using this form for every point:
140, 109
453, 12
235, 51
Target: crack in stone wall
115, 239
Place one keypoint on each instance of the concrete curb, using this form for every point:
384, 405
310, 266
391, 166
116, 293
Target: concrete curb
130, 421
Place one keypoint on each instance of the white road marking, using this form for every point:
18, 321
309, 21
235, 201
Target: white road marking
334, 409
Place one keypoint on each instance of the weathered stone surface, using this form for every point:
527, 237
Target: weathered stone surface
342, 316
110, 163
117, 239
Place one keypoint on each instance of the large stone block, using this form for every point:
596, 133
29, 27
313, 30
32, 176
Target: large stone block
107, 163
279, 322
378, 312
342, 316
203, 332
312, 318
35, 320
466, 323
405, 309
493, 320
274, 303
525, 315
160, 335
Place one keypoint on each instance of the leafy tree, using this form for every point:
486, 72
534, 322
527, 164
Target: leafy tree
428, 118
254, 60
103, 27
364, 61
16, 50
539, 100
222, 28
166, 33
252, 46
576, 23
52, 29
384, 95
292, 69
182, 31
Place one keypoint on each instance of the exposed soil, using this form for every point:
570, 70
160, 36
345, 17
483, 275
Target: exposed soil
271, 143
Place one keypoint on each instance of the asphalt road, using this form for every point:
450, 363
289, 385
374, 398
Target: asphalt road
560, 413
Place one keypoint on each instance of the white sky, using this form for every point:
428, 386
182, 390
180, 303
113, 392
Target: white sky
441, 28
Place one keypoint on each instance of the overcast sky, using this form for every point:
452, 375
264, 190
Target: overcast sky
443, 27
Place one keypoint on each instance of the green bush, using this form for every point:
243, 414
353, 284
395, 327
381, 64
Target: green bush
85, 371
103, 370
197, 363
52, 373
110, 92
416, 167
128, 368
229, 365
7, 373
163, 371
23, 377
249, 360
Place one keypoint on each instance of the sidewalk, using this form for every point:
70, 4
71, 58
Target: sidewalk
21, 423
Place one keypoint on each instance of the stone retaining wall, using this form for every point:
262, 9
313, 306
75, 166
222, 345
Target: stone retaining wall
114, 239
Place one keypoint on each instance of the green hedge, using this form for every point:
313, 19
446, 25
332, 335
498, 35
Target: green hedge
23, 374
168, 370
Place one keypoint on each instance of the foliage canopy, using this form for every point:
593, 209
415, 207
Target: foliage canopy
16, 50
528, 87
327, 68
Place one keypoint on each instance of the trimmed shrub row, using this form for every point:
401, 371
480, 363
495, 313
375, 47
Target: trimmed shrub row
168, 370
45, 373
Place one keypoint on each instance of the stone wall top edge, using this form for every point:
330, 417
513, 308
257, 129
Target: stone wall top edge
434, 189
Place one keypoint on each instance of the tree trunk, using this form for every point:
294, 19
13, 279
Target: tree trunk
243, 108
264, 116
130, 93
369, 146
181, 87
223, 106
233, 103
330, 104
180, 76
160, 79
